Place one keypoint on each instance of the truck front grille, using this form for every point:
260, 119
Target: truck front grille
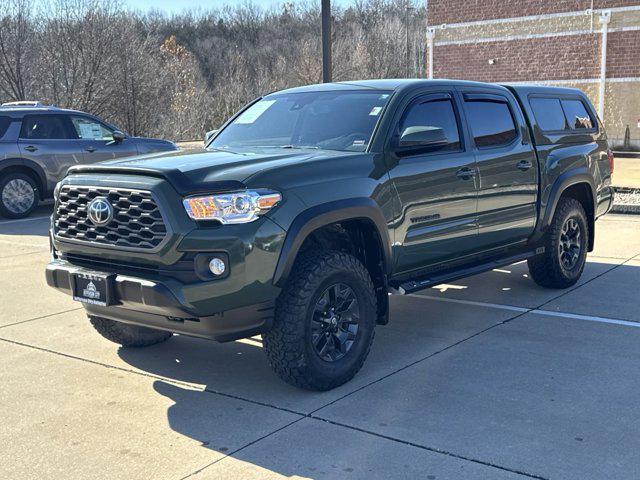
136, 221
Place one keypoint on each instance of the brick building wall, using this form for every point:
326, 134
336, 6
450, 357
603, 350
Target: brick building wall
553, 42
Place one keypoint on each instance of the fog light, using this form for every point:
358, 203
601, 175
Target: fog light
217, 266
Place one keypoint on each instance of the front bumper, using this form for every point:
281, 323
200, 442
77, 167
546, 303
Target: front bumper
170, 287
155, 304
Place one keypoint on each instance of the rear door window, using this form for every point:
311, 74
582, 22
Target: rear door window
4, 125
434, 113
577, 115
44, 127
491, 123
548, 113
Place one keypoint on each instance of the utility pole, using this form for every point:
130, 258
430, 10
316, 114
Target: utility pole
326, 41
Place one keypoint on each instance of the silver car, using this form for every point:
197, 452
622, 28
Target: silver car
39, 143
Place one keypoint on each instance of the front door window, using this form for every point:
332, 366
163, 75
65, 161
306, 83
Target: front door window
88, 129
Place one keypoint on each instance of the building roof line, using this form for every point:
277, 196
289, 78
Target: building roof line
536, 17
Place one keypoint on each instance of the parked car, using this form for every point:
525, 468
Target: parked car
39, 143
311, 205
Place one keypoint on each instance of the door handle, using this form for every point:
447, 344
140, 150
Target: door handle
30, 148
90, 149
524, 165
466, 173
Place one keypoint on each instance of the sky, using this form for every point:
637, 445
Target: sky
174, 6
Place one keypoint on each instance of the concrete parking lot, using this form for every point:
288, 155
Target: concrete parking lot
491, 377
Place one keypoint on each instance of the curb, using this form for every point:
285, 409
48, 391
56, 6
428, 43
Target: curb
627, 208
622, 154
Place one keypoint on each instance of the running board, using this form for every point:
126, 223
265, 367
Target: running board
433, 279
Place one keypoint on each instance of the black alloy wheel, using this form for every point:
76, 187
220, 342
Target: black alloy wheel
565, 243
324, 321
570, 245
335, 322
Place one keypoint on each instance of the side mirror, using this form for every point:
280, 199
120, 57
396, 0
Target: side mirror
208, 135
422, 136
118, 136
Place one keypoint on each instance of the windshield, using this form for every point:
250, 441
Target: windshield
337, 120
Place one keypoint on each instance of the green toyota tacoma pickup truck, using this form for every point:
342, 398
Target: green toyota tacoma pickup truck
311, 205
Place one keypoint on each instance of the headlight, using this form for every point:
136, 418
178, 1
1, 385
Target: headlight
236, 207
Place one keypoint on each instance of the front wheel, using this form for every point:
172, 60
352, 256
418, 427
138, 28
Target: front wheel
324, 322
566, 243
18, 195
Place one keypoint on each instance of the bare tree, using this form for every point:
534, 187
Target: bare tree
16, 48
79, 40
179, 75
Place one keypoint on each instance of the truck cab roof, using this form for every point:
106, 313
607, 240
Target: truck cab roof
400, 84
392, 84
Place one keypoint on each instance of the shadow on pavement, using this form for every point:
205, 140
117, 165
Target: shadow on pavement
197, 421
420, 328
37, 224
240, 370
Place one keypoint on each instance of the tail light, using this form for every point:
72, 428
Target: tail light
611, 160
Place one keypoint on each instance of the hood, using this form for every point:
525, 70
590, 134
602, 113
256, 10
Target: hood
148, 145
205, 170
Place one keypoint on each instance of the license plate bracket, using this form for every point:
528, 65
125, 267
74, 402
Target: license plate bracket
94, 288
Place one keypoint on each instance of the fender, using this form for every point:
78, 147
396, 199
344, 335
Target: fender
325, 214
21, 162
564, 181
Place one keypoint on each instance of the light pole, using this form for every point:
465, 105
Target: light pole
326, 41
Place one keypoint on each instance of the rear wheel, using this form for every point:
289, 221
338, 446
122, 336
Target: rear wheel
324, 322
566, 242
128, 335
18, 195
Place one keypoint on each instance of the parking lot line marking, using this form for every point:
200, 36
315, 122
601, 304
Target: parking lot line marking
20, 322
511, 308
500, 270
605, 257
30, 219
22, 254
22, 244
589, 318
150, 375
574, 316
250, 341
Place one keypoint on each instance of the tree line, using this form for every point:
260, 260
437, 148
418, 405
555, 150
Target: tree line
177, 76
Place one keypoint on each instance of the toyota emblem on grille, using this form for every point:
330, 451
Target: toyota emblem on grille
100, 211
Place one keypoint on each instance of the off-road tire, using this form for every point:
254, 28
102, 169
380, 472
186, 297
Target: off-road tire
288, 343
128, 335
5, 211
546, 269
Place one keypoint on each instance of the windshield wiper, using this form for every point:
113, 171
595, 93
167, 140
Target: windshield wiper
301, 147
